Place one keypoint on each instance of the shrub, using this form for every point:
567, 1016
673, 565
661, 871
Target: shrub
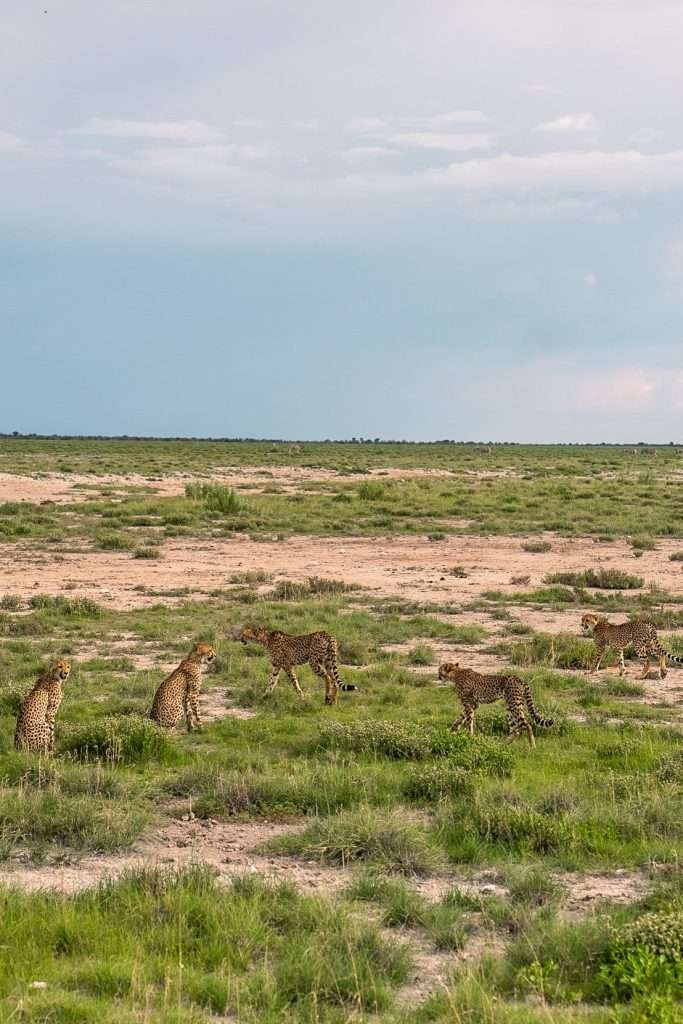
133, 740
416, 742
148, 551
646, 957
433, 782
371, 490
421, 654
558, 651
604, 579
215, 497
676, 556
536, 547
364, 836
10, 602
643, 543
315, 586
70, 607
114, 542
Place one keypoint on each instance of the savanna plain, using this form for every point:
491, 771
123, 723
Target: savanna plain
293, 862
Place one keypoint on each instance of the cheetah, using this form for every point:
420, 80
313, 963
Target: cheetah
318, 649
619, 635
35, 732
179, 692
473, 689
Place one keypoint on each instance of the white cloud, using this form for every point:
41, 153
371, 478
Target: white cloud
454, 142
619, 171
10, 143
569, 124
450, 118
166, 131
363, 125
536, 88
361, 154
616, 390
590, 280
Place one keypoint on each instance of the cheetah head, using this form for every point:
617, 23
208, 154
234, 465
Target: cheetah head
449, 670
60, 670
589, 621
250, 634
205, 652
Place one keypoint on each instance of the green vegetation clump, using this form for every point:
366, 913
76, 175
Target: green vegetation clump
643, 543
314, 586
603, 579
676, 556
214, 497
442, 780
69, 607
374, 838
371, 490
536, 547
132, 740
415, 741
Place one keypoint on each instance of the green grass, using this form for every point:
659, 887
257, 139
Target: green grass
377, 784
267, 953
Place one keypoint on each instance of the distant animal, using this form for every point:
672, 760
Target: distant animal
319, 650
474, 689
620, 635
35, 732
178, 694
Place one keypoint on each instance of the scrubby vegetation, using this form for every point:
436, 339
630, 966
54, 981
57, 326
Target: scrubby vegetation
444, 838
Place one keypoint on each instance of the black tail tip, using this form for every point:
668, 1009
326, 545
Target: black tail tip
347, 687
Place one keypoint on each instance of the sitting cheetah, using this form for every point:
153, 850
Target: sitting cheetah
619, 635
178, 695
318, 649
474, 689
35, 732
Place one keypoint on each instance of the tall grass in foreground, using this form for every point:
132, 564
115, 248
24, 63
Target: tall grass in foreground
184, 947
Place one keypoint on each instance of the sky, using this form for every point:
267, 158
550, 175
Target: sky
317, 219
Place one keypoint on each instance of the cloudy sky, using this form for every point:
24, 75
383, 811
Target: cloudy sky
322, 219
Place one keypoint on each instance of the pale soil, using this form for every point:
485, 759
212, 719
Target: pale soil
392, 567
235, 848
412, 569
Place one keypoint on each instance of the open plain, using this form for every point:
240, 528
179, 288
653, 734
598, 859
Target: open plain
296, 862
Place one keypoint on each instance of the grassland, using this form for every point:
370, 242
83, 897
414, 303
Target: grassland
388, 870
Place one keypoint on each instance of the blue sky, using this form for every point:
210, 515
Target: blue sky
327, 220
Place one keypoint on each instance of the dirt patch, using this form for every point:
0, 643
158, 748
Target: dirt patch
389, 566
229, 848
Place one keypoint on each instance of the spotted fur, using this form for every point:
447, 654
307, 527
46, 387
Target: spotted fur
178, 695
474, 689
620, 635
319, 650
35, 732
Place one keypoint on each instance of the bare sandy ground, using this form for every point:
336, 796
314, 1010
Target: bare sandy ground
69, 488
409, 568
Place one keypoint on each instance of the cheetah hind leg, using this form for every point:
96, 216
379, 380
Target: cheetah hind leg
662, 666
459, 722
330, 688
622, 667
646, 667
518, 724
291, 675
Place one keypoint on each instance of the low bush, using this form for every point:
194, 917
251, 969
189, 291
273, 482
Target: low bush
384, 840
133, 740
215, 497
603, 579
536, 547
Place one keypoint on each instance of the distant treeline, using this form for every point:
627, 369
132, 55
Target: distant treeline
16, 435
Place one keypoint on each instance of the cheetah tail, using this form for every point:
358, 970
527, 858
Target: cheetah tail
663, 653
544, 722
344, 687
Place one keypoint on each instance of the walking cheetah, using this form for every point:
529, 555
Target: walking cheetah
318, 649
474, 689
178, 695
619, 635
35, 732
